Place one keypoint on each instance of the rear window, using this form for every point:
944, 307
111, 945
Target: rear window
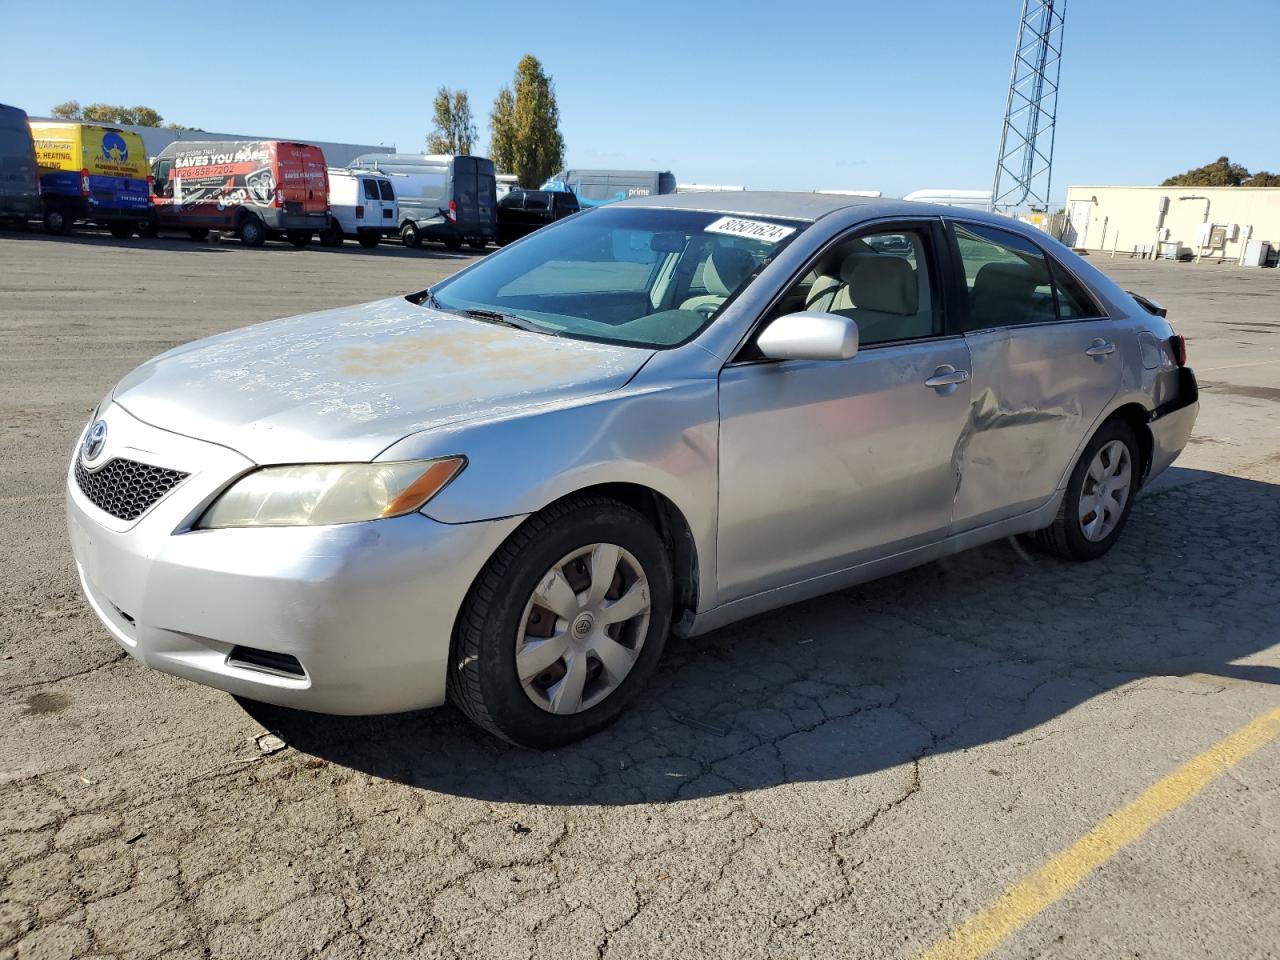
535, 201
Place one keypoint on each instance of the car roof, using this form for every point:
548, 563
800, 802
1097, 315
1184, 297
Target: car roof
806, 206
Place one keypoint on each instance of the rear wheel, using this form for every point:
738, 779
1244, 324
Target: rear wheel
198, 233
1099, 495
331, 236
120, 229
564, 625
299, 238
57, 222
369, 238
409, 235
478, 244
454, 243
252, 231
148, 229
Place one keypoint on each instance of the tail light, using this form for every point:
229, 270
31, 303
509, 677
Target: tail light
359, 212
151, 190
84, 183
279, 196
453, 211
1178, 344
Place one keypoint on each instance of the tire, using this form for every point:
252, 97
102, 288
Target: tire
410, 236
1095, 479
477, 244
120, 229
331, 236
198, 233
149, 230
499, 615
454, 243
252, 231
57, 222
368, 238
299, 238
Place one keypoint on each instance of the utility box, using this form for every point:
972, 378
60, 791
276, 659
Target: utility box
1171, 250
1256, 253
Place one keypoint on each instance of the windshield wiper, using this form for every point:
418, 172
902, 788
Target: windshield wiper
508, 320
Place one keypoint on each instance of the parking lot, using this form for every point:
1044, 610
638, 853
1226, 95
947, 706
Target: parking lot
904, 769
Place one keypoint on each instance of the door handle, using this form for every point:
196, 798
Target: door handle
946, 376
1100, 348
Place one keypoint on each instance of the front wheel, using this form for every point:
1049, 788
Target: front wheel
1099, 495
198, 233
410, 236
368, 238
478, 244
57, 222
252, 232
148, 229
454, 243
299, 238
120, 229
564, 625
331, 236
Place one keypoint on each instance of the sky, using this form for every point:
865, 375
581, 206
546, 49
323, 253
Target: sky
771, 95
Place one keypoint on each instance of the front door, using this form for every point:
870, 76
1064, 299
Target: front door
828, 464
1046, 364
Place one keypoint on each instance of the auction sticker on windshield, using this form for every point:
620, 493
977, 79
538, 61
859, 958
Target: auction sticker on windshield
754, 229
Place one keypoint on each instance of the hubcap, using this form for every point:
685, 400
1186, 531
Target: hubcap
582, 629
1105, 491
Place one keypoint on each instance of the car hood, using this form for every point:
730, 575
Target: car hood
345, 384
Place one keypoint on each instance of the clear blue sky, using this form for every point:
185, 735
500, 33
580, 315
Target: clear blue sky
795, 95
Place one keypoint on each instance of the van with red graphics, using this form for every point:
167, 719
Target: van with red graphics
260, 189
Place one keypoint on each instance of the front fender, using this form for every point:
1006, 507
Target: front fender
662, 437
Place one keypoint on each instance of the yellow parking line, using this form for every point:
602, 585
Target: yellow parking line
985, 931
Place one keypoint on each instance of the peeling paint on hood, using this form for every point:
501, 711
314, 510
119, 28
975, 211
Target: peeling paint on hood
345, 384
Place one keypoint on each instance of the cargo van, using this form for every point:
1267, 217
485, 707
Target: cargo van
444, 198
362, 204
260, 189
595, 188
19, 185
91, 173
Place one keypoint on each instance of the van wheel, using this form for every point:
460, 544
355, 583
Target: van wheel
478, 244
368, 238
454, 243
120, 229
1099, 496
198, 233
331, 236
148, 229
410, 236
252, 232
57, 222
299, 238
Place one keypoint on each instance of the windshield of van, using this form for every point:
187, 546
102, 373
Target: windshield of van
636, 277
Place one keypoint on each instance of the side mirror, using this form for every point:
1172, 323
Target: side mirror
809, 335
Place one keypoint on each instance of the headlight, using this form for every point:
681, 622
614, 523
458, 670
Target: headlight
330, 493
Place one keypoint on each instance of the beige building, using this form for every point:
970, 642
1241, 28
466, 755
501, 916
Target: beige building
1216, 222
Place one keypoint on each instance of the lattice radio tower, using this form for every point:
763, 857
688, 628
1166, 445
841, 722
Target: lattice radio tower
1024, 165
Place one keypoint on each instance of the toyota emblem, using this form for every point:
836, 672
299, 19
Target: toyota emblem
94, 441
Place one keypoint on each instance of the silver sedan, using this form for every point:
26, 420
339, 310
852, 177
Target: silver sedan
659, 416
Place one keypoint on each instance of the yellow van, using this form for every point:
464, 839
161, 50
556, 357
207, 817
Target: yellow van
92, 173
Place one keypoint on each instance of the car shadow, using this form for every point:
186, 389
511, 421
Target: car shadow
980, 648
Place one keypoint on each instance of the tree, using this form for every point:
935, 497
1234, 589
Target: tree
1221, 173
455, 129
1263, 179
139, 116
525, 126
68, 111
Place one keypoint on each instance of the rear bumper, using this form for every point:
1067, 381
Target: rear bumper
367, 609
1172, 422
277, 219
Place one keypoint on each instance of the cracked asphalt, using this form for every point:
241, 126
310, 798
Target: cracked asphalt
851, 777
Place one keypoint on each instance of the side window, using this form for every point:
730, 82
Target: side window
385, 190
1008, 280
535, 200
370, 189
883, 280
1074, 302
512, 201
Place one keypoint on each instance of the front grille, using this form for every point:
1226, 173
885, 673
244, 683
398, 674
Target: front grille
126, 489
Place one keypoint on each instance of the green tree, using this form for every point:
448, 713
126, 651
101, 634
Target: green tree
1221, 173
455, 128
525, 126
1263, 179
70, 110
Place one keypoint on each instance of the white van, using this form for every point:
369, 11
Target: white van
363, 205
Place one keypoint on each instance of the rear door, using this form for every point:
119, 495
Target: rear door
466, 196
1046, 365
390, 206
369, 204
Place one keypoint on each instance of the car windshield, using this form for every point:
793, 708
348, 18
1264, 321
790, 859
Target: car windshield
636, 277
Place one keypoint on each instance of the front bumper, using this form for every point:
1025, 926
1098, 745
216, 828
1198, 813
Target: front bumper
367, 609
